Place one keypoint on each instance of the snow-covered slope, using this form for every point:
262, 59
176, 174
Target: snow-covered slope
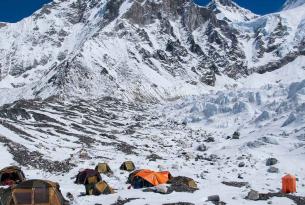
47, 138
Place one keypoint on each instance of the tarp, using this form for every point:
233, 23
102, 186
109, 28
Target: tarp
154, 178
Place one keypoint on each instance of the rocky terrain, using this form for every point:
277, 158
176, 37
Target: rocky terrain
242, 138
214, 93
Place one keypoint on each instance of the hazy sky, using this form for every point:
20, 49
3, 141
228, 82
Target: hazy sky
15, 10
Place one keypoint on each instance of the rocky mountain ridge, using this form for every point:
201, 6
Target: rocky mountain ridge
141, 50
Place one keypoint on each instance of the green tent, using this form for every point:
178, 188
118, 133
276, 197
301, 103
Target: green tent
33, 192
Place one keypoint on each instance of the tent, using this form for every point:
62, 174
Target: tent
88, 176
38, 192
103, 168
101, 188
128, 166
11, 175
148, 178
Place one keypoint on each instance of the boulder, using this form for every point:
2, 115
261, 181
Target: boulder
253, 195
210, 139
241, 164
255, 144
239, 176
213, 198
202, 148
269, 140
236, 135
182, 184
273, 170
70, 196
271, 161
219, 203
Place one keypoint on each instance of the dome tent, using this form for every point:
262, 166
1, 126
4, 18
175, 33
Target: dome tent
148, 178
102, 188
88, 176
11, 175
128, 166
33, 192
103, 168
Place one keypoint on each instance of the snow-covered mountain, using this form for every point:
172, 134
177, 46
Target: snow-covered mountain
290, 4
274, 40
135, 50
145, 50
79, 76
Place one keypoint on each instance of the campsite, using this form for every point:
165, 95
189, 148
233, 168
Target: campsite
152, 102
24, 191
228, 162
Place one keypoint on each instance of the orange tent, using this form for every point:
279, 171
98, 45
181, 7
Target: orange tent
289, 184
153, 178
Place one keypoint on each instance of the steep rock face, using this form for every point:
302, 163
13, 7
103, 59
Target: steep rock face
230, 11
147, 12
144, 50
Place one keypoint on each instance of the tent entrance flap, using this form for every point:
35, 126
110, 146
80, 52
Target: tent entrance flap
39, 196
22, 196
11, 175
